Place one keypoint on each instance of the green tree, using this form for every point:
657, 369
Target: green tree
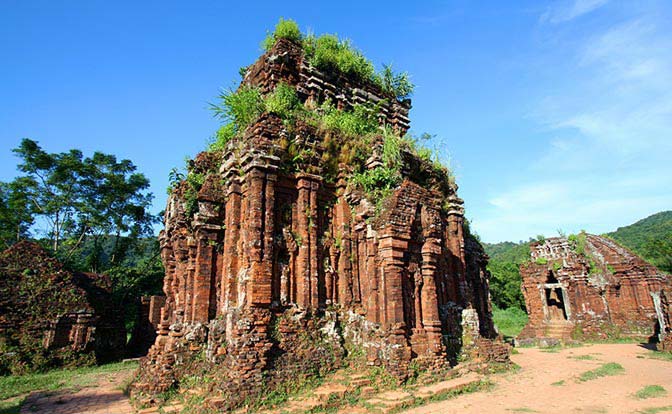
505, 285
660, 252
79, 198
15, 216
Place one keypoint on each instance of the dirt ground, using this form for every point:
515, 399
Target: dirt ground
547, 382
104, 397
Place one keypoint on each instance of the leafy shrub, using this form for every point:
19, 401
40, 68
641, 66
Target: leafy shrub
651, 391
391, 149
194, 182
284, 29
223, 135
578, 242
282, 101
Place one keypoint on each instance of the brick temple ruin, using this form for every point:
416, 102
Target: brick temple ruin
61, 316
146, 325
281, 274
589, 287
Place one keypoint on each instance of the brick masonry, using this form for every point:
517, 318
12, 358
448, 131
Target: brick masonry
281, 274
605, 291
54, 316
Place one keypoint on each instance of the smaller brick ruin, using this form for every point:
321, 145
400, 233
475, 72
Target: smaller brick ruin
51, 316
589, 287
146, 325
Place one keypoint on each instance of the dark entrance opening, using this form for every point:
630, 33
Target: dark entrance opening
550, 278
555, 303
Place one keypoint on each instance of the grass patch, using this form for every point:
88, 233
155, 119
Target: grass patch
11, 406
654, 410
558, 383
663, 356
583, 357
605, 370
15, 385
509, 321
522, 410
651, 391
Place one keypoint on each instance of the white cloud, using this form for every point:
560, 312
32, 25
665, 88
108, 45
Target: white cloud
570, 10
608, 163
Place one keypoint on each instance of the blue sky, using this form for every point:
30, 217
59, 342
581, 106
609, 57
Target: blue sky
554, 115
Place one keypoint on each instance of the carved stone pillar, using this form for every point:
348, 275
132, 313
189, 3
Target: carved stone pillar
392, 254
231, 240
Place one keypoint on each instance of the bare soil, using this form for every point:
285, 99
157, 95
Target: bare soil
548, 382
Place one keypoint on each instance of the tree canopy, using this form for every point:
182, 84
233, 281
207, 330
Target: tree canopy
75, 197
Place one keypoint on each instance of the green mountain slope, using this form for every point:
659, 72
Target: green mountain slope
508, 251
651, 238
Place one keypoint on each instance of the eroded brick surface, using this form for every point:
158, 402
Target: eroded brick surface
281, 273
591, 287
49, 315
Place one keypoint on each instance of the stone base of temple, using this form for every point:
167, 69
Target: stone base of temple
246, 355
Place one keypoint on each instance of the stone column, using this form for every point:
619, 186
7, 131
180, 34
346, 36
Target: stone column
203, 272
392, 253
189, 282
313, 244
302, 231
431, 249
257, 249
231, 239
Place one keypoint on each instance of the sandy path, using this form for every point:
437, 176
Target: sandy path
104, 397
531, 389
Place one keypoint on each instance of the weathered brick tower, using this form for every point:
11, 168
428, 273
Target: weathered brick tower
590, 287
283, 266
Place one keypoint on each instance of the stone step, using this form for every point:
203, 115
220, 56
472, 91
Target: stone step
448, 385
360, 382
331, 391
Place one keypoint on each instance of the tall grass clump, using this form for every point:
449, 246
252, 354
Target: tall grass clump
329, 53
284, 29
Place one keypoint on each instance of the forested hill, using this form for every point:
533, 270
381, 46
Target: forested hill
650, 238
508, 251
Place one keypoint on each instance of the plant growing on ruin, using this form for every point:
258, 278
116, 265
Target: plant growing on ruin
239, 107
282, 101
329, 53
578, 242
398, 84
222, 137
194, 182
284, 29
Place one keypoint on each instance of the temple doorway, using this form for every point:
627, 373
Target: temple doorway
555, 304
